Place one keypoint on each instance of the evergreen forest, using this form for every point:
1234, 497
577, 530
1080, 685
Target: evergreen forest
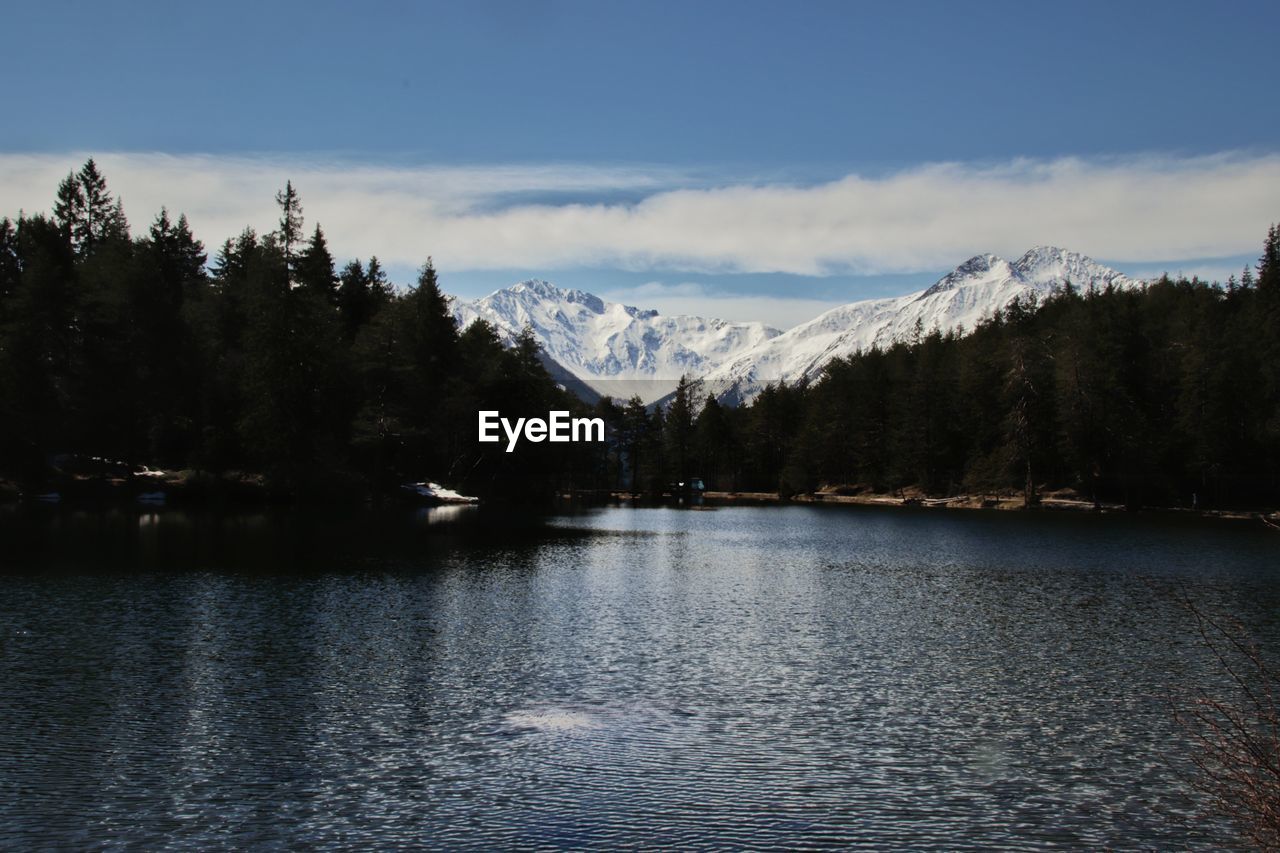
268, 362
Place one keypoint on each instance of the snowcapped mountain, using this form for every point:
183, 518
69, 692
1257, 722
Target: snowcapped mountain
615, 350
609, 349
962, 298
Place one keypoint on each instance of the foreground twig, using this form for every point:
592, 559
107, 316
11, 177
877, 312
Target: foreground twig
1236, 732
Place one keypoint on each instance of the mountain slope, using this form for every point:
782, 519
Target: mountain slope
609, 349
615, 350
973, 291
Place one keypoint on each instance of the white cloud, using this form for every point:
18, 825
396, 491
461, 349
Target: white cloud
1135, 210
657, 289
781, 312
1218, 271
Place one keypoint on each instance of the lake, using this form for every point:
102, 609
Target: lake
743, 676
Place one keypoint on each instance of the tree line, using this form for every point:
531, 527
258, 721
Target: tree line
1167, 395
325, 381
266, 359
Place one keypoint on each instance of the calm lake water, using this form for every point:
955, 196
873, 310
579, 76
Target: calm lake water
776, 676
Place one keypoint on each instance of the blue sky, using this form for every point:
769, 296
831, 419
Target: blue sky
655, 146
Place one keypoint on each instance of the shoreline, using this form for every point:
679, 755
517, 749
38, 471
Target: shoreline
1013, 503
236, 489
1052, 503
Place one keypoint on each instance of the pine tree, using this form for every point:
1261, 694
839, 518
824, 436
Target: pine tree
180, 255
429, 337
190, 250
714, 442
353, 299
86, 212
1267, 331
115, 225
679, 434
527, 352
1021, 387
289, 232
376, 278
434, 331
380, 421
314, 271
232, 260
10, 265
189, 255
294, 374
103, 218
168, 271
229, 314
68, 209
361, 295
97, 200
1269, 263
633, 438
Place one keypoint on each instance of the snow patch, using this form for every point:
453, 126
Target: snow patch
437, 492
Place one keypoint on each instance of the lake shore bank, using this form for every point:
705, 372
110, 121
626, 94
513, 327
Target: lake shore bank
1014, 502
195, 489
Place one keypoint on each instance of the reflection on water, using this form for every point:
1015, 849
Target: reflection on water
745, 676
448, 514
552, 720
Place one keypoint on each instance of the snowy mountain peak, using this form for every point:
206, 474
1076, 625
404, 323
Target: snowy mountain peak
620, 351
1042, 268
976, 268
976, 264
540, 289
1054, 267
1041, 256
961, 299
616, 350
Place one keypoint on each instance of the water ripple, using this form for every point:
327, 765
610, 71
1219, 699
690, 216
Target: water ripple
746, 678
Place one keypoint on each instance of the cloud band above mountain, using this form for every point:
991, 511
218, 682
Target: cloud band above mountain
543, 218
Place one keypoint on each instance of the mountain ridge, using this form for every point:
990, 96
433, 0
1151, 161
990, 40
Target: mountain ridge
619, 350
615, 349
970, 293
